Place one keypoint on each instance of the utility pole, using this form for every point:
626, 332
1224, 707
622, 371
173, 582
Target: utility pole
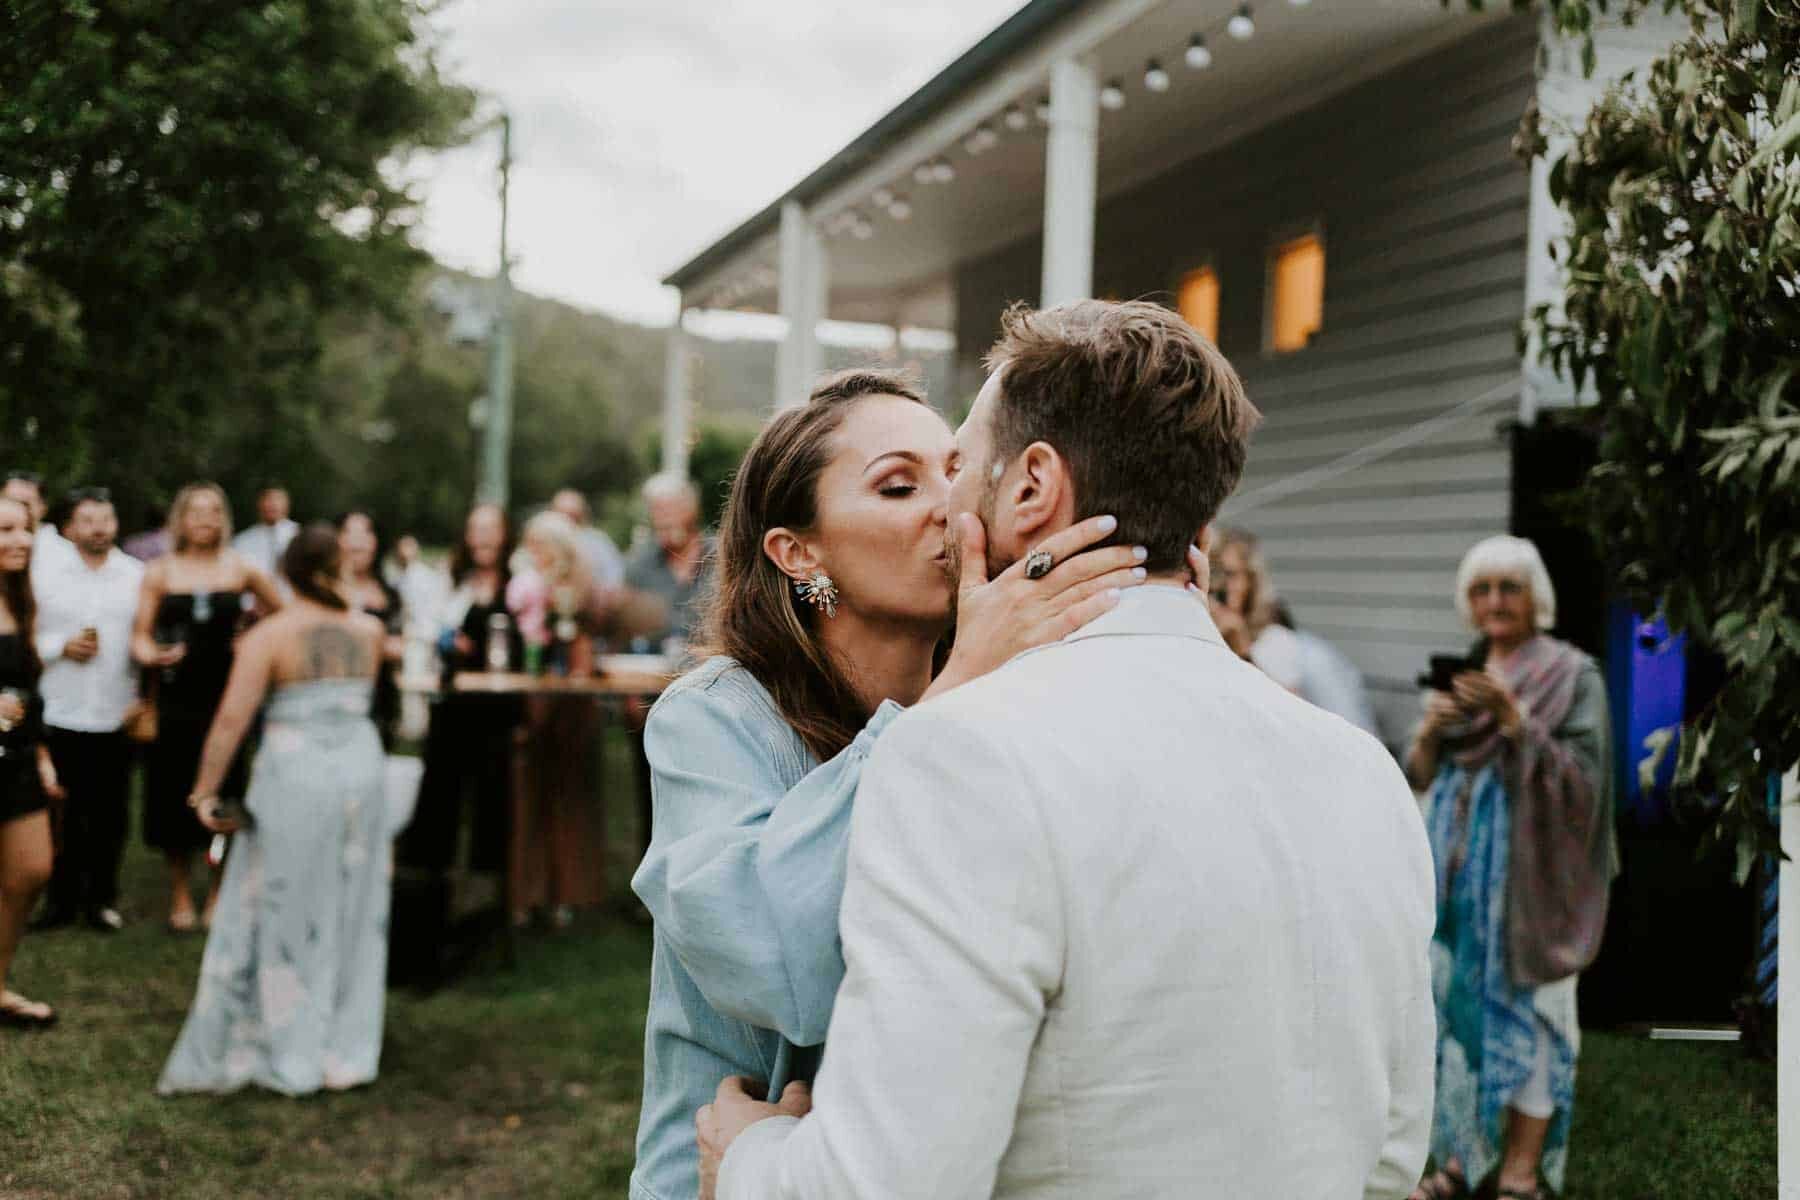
496, 442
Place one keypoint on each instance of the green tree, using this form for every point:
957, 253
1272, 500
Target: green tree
186, 190
1682, 307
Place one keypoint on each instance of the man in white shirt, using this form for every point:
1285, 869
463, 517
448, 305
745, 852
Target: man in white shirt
1124, 918
85, 610
48, 547
266, 541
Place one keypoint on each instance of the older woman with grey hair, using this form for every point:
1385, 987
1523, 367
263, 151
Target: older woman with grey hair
1517, 758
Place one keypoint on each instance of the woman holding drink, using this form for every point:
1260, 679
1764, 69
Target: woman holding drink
190, 609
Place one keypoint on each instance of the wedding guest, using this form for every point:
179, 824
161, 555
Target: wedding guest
673, 567
27, 773
48, 548
152, 543
1244, 608
85, 613
364, 588
190, 608
469, 746
1518, 761
293, 982
262, 544
558, 827
604, 563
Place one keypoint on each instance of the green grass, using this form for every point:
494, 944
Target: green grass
525, 1083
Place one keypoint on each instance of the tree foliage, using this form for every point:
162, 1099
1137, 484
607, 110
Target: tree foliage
187, 192
1682, 307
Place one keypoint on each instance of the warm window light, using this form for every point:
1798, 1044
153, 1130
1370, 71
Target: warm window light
1198, 301
1296, 292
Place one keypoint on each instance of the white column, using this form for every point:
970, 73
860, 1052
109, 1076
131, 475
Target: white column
677, 401
803, 302
1071, 178
1787, 1020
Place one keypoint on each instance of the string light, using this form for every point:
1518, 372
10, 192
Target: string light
1198, 56
1155, 78
899, 208
1016, 120
943, 172
1042, 108
881, 197
925, 172
1241, 26
860, 229
1112, 96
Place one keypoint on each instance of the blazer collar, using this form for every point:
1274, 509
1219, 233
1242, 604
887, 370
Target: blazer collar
1151, 610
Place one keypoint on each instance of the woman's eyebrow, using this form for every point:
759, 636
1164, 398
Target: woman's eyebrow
908, 455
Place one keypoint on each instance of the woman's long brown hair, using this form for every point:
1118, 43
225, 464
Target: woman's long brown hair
754, 615
15, 586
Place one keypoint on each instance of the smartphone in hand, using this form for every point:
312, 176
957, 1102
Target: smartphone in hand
1444, 670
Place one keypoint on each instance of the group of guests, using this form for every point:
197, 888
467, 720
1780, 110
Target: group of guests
289, 639
1110, 893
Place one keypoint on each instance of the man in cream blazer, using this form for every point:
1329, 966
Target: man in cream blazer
1124, 918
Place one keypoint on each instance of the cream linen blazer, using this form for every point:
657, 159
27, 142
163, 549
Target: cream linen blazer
1123, 919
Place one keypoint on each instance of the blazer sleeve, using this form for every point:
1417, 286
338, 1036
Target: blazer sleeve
953, 941
1412, 1057
743, 877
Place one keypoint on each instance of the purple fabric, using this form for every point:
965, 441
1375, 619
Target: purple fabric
1562, 858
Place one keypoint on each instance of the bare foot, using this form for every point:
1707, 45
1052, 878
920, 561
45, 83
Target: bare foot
17, 1011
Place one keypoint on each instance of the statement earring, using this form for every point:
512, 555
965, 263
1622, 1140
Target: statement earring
818, 591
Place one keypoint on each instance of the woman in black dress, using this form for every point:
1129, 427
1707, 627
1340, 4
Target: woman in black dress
469, 750
27, 776
190, 611
359, 559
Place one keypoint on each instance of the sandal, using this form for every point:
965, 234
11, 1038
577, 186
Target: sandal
1442, 1185
19, 1013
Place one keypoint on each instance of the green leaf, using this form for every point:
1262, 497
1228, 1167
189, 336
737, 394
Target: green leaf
1769, 406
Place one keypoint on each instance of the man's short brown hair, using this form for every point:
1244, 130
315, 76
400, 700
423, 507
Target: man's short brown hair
1151, 418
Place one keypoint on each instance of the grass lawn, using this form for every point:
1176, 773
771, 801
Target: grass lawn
525, 1083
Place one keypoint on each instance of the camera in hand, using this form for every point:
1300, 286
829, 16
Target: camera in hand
1444, 670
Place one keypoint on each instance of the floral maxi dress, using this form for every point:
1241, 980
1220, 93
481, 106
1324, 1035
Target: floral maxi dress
292, 984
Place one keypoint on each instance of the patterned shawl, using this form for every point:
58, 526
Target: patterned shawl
1562, 856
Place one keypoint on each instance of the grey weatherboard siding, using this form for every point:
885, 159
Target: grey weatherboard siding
1423, 207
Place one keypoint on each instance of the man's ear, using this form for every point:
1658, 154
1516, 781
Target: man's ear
1043, 495
791, 556
1205, 539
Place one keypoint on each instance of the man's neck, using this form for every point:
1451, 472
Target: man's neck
95, 561
881, 661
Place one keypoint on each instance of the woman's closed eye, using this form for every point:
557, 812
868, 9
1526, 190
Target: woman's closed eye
897, 489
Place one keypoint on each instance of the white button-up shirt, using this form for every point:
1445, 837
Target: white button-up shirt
263, 545
89, 697
1122, 919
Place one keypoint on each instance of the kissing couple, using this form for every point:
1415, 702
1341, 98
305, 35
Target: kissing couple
1078, 904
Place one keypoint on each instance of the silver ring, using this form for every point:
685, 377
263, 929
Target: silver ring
1039, 564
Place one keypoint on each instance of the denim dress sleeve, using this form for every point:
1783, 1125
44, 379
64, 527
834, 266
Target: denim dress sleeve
745, 873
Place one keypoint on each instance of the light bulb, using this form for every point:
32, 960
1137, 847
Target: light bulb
987, 137
1112, 96
1198, 56
900, 208
860, 229
1155, 78
881, 197
925, 172
1016, 120
1042, 108
943, 172
972, 145
1241, 26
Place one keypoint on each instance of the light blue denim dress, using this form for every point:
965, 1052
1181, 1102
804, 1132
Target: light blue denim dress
293, 981
744, 877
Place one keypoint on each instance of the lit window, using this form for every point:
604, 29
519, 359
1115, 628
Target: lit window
1198, 301
1296, 292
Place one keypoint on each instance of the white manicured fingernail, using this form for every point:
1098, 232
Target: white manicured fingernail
1139, 573
1112, 596
1140, 553
1107, 524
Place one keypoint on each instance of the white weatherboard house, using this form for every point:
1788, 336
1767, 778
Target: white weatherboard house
1327, 188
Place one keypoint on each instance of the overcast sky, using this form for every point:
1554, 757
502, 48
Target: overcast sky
645, 129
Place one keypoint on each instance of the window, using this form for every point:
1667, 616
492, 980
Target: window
1296, 293
1198, 301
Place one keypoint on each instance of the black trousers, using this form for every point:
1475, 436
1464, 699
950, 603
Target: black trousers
91, 819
